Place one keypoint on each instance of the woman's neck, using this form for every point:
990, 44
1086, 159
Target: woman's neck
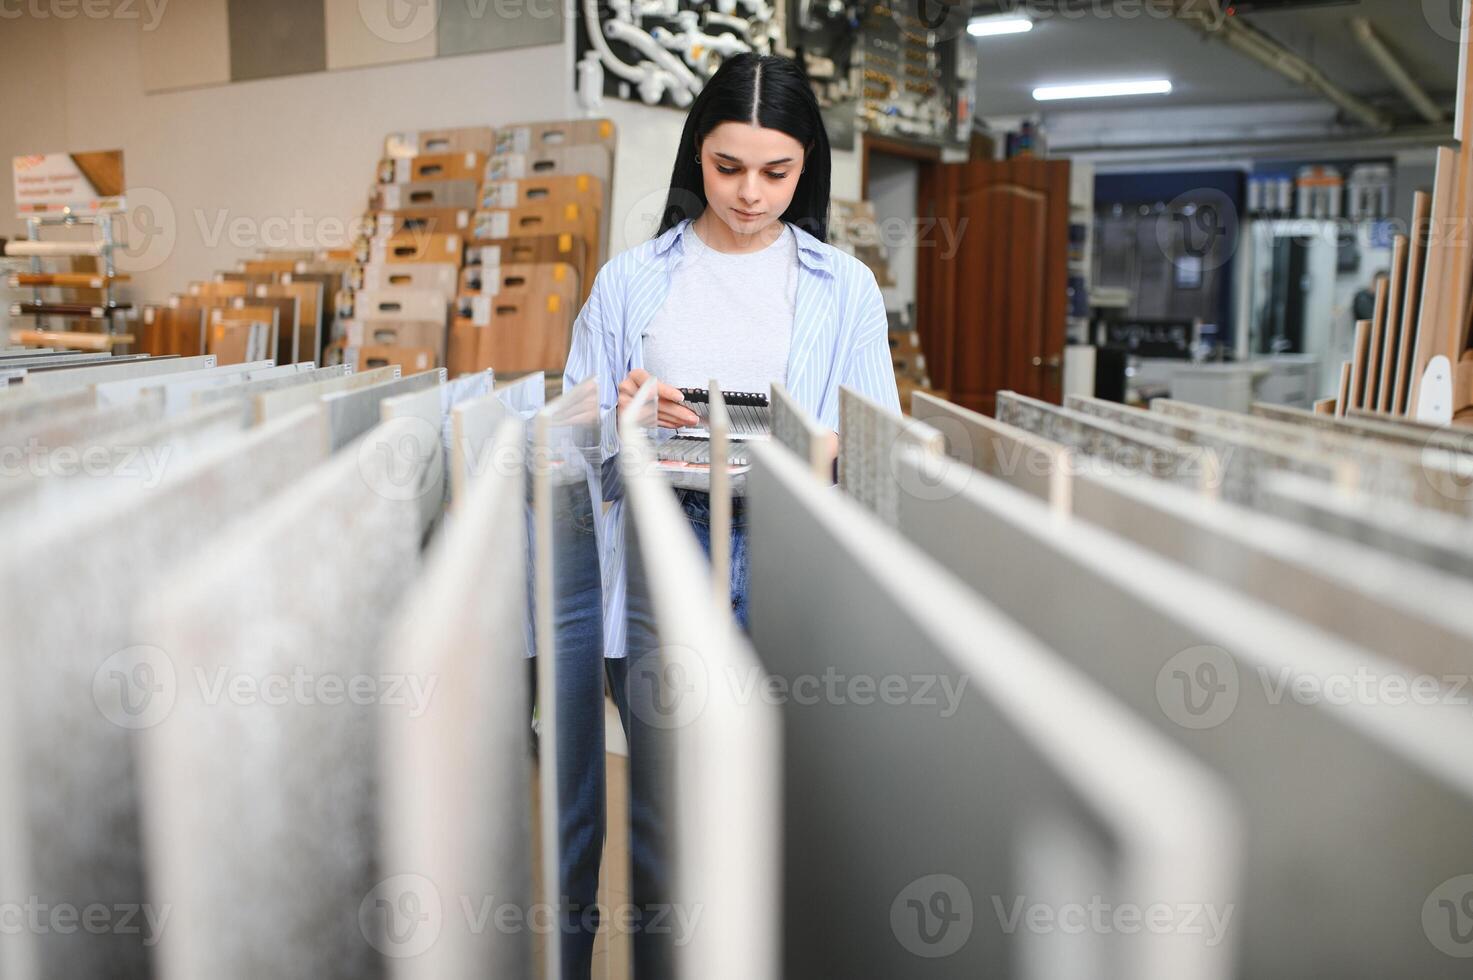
718, 235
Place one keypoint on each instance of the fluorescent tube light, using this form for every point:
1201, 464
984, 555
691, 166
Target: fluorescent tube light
1102, 90
995, 25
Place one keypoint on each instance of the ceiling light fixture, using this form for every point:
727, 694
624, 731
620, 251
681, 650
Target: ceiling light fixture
1102, 90
994, 25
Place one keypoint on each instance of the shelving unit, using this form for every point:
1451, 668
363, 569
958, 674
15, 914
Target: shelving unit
111, 313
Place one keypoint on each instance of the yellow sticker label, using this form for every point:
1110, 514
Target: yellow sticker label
553, 303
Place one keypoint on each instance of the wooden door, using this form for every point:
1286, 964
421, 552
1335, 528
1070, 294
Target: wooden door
991, 290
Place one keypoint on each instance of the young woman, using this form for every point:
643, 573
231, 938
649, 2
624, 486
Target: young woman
739, 285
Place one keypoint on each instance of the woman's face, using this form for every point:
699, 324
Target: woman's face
750, 175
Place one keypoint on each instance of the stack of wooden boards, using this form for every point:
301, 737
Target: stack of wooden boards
280, 305
1412, 359
484, 245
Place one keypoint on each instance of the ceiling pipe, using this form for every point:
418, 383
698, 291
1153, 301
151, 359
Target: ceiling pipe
1206, 17
1376, 48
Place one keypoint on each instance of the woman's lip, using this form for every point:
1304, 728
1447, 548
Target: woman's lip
748, 214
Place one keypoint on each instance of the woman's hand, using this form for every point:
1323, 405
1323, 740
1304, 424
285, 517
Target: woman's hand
673, 414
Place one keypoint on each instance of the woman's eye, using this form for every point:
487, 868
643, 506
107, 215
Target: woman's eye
727, 170
775, 175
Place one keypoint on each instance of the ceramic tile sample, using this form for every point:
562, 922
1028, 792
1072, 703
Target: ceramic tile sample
832, 588
80, 681
870, 438
117, 464
412, 426
352, 413
17, 405
260, 795
469, 27
244, 392
456, 801
1328, 782
270, 404
361, 34
269, 38
188, 47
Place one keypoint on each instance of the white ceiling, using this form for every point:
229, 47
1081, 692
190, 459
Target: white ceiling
1096, 47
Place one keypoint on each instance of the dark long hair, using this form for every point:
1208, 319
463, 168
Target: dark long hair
772, 92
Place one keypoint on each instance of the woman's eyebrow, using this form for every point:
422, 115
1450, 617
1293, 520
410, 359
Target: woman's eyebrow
769, 163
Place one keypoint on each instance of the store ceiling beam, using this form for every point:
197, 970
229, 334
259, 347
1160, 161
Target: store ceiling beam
1405, 83
1208, 18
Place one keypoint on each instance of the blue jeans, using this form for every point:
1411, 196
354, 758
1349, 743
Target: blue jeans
581, 776
697, 507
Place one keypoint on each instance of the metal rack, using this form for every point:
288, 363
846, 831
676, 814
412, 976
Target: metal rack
109, 311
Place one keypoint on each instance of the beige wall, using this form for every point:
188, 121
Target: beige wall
213, 172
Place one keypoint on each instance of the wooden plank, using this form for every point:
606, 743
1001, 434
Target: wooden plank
67, 280
1359, 354
309, 297
1326, 406
1374, 342
1412, 306
78, 340
1385, 369
1342, 399
1430, 319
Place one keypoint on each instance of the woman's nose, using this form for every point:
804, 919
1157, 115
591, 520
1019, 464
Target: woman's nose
748, 190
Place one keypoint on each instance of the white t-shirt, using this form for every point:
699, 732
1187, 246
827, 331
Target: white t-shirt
728, 317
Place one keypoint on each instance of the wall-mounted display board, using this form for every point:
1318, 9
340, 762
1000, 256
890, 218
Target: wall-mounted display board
213, 42
883, 66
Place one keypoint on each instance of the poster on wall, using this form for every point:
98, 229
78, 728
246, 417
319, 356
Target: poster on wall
81, 182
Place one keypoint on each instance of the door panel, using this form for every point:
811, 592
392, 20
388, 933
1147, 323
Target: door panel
992, 317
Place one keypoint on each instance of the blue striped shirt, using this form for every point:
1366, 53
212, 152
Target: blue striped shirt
840, 337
